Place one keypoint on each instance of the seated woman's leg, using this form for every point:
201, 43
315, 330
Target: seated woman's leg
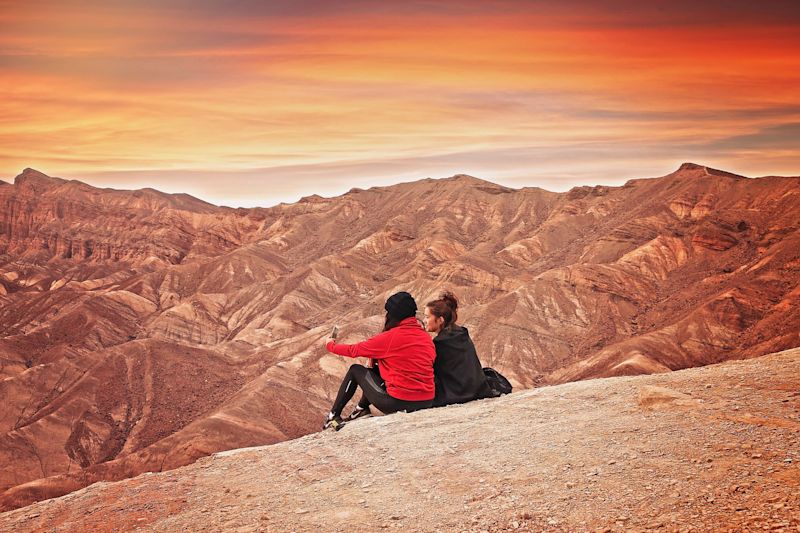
348, 388
373, 393
376, 395
364, 403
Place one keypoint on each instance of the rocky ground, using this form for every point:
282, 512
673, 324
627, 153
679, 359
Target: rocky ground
709, 449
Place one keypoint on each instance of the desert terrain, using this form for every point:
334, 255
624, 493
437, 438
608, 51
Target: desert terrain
707, 449
141, 331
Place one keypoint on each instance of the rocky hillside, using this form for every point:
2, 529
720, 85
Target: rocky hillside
140, 331
711, 449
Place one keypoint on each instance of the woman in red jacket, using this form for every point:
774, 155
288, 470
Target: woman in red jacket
404, 353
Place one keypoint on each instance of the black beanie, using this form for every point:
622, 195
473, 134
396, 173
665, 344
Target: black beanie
401, 305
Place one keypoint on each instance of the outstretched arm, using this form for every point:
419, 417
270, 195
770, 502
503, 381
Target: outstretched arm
375, 347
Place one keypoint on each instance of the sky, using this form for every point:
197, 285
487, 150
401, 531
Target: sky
250, 103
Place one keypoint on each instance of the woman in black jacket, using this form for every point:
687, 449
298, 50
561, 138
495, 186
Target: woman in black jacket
457, 370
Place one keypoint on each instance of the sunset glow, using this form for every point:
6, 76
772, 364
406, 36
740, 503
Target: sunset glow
250, 103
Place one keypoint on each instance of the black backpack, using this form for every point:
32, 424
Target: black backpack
497, 382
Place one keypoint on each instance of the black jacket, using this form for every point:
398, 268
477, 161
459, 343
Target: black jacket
457, 370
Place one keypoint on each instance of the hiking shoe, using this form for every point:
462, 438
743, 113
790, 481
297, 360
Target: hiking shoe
358, 412
334, 422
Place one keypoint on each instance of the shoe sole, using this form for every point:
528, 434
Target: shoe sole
336, 425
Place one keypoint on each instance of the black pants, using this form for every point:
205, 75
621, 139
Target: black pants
373, 393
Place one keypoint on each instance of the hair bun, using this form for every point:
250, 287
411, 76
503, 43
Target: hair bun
450, 299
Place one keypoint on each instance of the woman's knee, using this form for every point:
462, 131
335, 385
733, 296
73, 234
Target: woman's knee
357, 371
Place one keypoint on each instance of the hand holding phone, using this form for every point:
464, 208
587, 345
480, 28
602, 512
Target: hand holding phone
335, 332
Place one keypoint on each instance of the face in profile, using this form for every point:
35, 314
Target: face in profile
433, 323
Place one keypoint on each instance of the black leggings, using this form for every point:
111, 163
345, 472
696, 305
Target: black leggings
373, 393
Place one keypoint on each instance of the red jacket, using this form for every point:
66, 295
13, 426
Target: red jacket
406, 355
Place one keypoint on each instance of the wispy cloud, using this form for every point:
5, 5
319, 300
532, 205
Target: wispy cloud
332, 92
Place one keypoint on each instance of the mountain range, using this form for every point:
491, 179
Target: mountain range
140, 331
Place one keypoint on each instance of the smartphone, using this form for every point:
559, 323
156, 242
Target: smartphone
335, 332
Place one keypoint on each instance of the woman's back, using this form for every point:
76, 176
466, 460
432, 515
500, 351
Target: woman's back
457, 370
405, 355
